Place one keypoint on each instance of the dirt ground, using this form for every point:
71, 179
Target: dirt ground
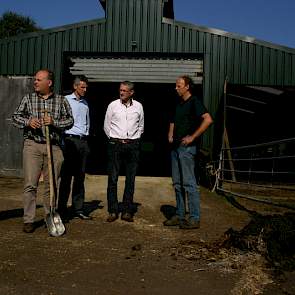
95, 257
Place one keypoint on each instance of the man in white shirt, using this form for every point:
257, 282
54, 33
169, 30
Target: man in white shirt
76, 151
123, 125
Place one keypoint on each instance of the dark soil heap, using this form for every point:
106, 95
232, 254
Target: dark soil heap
273, 236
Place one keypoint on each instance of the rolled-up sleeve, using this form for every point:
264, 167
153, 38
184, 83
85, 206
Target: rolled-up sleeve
21, 117
66, 120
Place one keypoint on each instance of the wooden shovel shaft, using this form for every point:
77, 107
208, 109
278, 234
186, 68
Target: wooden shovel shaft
50, 166
53, 220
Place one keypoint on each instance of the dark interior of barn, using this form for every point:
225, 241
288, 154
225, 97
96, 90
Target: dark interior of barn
259, 124
258, 114
157, 100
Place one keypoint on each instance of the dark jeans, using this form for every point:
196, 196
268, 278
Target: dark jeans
75, 155
118, 154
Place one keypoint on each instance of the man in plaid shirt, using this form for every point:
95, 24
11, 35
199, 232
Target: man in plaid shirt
30, 117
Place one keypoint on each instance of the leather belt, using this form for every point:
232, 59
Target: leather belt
81, 137
123, 141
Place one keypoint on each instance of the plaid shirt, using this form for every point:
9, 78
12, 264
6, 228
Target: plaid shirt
33, 106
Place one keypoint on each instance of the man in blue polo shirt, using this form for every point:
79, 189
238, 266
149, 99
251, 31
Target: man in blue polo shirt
191, 119
76, 151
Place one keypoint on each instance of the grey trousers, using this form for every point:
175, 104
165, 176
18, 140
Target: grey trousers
34, 162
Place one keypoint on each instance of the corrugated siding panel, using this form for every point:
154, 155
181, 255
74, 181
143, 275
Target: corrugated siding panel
280, 64
222, 61
3, 56
292, 69
17, 57
58, 52
137, 70
265, 66
11, 139
24, 58
289, 70
38, 53
132, 20
251, 63
145, 14
137, 22
25, 54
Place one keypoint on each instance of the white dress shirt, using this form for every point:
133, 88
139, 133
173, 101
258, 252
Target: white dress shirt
80, 112
124, 121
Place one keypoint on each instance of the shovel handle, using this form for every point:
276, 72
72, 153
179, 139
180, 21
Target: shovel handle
50, 166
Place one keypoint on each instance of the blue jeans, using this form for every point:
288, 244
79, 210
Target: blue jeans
184, 181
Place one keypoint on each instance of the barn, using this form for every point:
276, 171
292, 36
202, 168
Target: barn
140, 40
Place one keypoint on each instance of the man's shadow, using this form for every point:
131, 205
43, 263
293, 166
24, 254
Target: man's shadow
88, 208
133, 209
91, 206
13, 213
168, 211
19, 212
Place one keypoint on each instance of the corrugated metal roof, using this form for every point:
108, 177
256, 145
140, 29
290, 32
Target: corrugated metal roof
223, 33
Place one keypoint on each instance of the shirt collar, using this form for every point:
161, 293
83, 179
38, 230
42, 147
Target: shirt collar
130, 102
74, 97
182, 101
49, 97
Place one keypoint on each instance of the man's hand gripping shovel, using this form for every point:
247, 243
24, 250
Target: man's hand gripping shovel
53, 221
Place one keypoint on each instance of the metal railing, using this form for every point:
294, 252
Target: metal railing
262, 172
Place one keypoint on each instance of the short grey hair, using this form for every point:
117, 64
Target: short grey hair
79, 79
129, 84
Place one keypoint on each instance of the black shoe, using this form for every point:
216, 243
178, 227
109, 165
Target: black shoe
112, 217
64, 215
29, 227
82, 216
127, 217
65, 218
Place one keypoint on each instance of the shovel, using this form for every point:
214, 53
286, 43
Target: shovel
53, 221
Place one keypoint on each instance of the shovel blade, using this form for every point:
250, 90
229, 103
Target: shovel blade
54, 224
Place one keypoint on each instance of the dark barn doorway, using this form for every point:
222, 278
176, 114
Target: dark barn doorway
158, 73
157, 100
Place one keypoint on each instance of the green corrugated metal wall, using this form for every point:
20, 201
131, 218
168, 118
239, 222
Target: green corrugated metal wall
25, 54
242, 61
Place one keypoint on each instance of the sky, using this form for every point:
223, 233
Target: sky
267, 20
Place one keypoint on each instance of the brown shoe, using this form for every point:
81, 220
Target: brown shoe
174, 220
28, 227
112, 217
191, 224
127, 217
